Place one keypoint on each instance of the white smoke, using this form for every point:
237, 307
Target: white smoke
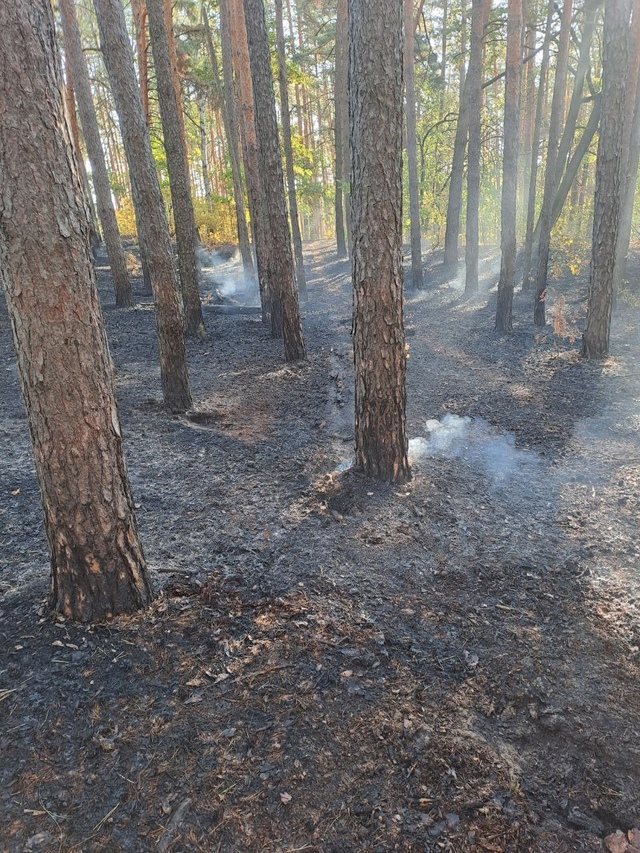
222, 276
478, 444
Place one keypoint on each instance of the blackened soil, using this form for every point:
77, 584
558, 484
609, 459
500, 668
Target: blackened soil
333, 665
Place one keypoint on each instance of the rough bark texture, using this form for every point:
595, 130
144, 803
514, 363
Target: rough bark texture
183, 217
66, 374
257, 205
606, 216
339, 96
535, 151
631, 150
550, 176
288, 154
412, 151
139, 12
167, 6
507, 282
285, 313
153, 231
230, 121
101, 185
72, 118
473, 86
375, 118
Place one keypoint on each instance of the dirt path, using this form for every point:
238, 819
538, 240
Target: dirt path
333, 665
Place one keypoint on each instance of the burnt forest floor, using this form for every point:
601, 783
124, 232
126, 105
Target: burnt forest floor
332, 665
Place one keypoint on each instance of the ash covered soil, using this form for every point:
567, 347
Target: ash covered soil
332, 665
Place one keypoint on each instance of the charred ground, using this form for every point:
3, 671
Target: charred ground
332, 665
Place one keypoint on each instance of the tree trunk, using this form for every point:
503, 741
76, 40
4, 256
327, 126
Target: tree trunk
246, 119
167, 8
412, 152
285, 313
153, 231
72, 118
375, 118
609, 178
339, 97
230, 122
204, 153
288, 154
183, 216
507, 282
473, 85
590, 13
139, 12
102, 187
550, 176
454, 203
575, 160
631, 151
535, 152
97, 564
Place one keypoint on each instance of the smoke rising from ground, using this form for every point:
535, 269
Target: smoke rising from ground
222, 278
477, 443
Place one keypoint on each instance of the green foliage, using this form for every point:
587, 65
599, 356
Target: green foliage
216, 223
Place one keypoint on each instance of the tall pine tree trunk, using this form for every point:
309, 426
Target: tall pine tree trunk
550, 174
454, 203
153, 230
88, 118
179, 184
288, 154
97, 564
630, 152
609, 178
285, 313
473, 84
507, 282
246, 119
139, 12
375, 118
230, 122
535, 151
339, 97
412, 151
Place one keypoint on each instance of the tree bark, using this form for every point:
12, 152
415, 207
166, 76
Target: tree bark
550, 175
606, 215
535, 152
246, 120
72, 118
339, 97
454, 203
102, 187
412, 152
590, 13
153, 230
139, 12
507, 282
631, 151
230, 122
288, 154
204, 153
375, 118
183, 216
97, 564
285, 313
473, 85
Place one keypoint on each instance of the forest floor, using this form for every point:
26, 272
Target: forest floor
332, 665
